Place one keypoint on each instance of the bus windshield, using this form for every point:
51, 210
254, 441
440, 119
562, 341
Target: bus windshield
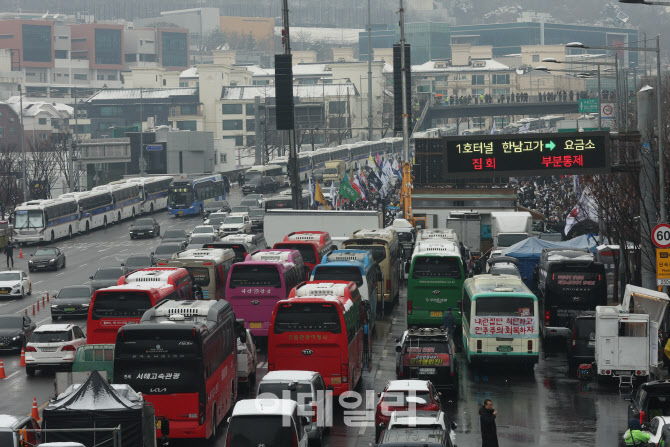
170, 367
339, 273
181, 196
29, 219
307, 251
505, 306
307, 317
255, 275
437, 267
121, 304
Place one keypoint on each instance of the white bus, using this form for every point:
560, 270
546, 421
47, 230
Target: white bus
273, 171
153, 192
127, 199
46, 220
96, 209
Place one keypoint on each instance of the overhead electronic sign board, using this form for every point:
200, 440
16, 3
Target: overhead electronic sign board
525, 154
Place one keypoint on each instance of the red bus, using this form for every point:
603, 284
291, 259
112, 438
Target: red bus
270, 254
312, 245
320, 328
186, 369
135, 293
254, 287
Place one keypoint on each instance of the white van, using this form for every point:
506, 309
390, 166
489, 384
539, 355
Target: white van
269, 422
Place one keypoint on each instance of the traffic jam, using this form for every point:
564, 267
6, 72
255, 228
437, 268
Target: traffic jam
235, 325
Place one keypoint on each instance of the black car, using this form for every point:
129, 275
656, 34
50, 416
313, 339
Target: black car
428, 354
167, 249
50, 258
145, 227
106, 277
176, 235
199, 240
72, 301
216, 205
136, 262
652, 399
257, 217
15, 331
260, 185
582, 343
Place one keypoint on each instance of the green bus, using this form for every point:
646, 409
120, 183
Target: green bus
434, 283
500, 320
95, 358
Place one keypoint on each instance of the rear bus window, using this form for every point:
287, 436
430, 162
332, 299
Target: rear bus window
120, 304
437, 267
255, 275
307, 317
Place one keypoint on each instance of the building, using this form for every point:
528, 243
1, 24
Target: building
41, 120
112, 108
508, 38
198, 21
164, 47
261, 30
10, 127
427, 40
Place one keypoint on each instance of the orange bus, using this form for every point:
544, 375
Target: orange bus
320, 328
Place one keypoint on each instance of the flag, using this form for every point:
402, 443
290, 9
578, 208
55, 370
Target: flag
396, 168
357, 186
387, 169
346, 190
311, 192
374, 181
585, 209
493, 129
371, 163
377, 159
318, 194
332, 193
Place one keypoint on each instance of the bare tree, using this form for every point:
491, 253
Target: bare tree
10, 182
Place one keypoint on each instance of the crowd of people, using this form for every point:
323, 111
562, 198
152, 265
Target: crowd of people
552, 196
558, 96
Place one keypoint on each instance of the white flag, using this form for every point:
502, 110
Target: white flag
586, 209
311, 192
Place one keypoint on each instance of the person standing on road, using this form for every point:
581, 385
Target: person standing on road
487, 420
449, 322
9, 251
634, 435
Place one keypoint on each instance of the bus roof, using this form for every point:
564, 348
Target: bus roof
286, 265
436, 247
479, 284
241, 238
274, 255
202, 255
387, 234
164, 275
326, 288
343, 302
321, 237
205, 312
362, 257
437, 233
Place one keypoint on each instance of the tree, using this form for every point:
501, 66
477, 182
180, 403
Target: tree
11, 192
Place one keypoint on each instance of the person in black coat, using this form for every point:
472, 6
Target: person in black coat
487, 419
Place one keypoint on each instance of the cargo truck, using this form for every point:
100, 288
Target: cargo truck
334, 171
508, 228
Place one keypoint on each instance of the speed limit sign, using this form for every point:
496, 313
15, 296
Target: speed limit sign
660, 235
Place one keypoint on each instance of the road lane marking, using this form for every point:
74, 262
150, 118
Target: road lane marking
379, 373
61, 273
361, 431
384, 353
13, 374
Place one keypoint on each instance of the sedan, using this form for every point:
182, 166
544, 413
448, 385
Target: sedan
15, 331
257, 217
199, 240
260, 185
214, 206
15, 283
106, 277
167, 249
72, 301
400, 395
46, 258
147, 226
136, 262
53, 346
177, 235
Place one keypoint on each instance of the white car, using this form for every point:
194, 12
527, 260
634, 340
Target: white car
15, 283
53, 346
203, 229
656, 429
246, 361
217, 215
236, 223
423, 419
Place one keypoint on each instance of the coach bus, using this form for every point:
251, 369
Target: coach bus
189, 196
208, 268
321, 331
153, 192
96, 209
126, 197
185, 369
241, 244
46, 220
254, 287
312, 245
273, 171
135, 293
285, 201
434, 283
271, 254
385, 249
354, 265
500, 320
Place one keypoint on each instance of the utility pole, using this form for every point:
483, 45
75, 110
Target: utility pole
369, 74
660, 124
296, 189
406, 165
258, 159
142, 164
70, 146
645, 124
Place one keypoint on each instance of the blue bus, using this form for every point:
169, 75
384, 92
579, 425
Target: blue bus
358, 266
189, 196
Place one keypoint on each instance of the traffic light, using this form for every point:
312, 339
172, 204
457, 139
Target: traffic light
284, 91
397, 88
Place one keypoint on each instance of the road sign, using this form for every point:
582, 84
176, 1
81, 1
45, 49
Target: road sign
663, 264
502, 155
607, 111
588, 105
660, 235
154, 147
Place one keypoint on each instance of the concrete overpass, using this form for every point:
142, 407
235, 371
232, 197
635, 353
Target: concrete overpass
491, 110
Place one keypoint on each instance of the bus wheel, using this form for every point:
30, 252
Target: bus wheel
214, 424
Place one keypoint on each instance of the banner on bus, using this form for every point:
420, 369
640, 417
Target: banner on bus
504, 325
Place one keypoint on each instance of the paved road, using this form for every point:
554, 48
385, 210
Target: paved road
545, 408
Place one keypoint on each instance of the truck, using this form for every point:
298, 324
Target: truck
508, 228
334, 171
340, 224
626, 345
468, 228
